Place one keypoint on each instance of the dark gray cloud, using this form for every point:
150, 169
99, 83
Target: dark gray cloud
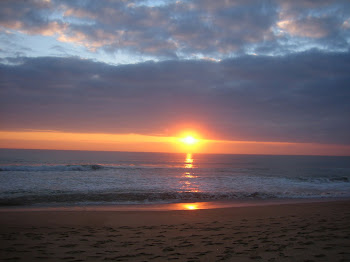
296, 98
182, 29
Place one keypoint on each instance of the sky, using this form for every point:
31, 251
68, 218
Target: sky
244, 76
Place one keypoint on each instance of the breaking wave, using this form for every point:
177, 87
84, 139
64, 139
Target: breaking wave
334, 179
120, 198
52, 168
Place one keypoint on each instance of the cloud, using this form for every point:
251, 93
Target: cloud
295, 98
319, 23
309, 27
30, 17
184, 29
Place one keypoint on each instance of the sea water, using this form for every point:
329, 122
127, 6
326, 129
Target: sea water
65, 178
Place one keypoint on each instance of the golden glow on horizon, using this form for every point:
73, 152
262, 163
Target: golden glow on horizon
46, 139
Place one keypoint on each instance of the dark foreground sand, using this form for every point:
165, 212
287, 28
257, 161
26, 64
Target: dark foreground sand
289, 232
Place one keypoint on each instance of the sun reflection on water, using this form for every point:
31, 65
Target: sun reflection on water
189, 184
189, 175
189, 161
190, 206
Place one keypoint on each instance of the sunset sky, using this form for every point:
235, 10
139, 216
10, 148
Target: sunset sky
245, 77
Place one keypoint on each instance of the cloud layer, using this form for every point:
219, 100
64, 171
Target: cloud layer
185, 29
296, 98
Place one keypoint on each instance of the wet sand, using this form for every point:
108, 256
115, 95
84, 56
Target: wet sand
285, 232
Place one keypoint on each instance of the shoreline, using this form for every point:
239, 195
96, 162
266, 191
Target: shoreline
185, 205
318, 231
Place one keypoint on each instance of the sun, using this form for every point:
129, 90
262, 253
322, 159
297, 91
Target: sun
189, 140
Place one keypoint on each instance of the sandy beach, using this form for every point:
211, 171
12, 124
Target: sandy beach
285, 232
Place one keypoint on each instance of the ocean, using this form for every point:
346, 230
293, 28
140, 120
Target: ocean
49, 178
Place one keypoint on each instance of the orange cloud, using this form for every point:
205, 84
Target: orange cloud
80, 38
78, 13
50, 29
307, 28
